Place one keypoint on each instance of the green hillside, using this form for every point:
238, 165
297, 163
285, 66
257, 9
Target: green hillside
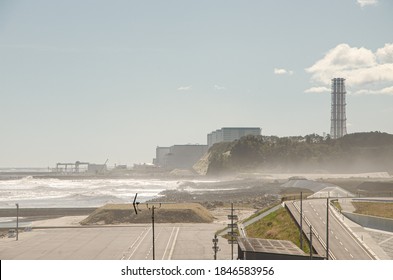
359, 152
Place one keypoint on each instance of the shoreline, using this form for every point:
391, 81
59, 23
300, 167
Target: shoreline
4, 176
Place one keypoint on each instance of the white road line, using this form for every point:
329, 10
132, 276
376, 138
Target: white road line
336, 237
167, 245
323, 222
173, 244
155, 241
140, 241
341, 243
369, 254
345, 249
132, 245
351, 256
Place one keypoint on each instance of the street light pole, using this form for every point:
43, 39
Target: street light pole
327, 228
310, 242
301, 220
17, 221
152, 222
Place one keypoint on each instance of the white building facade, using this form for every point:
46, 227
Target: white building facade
229, 134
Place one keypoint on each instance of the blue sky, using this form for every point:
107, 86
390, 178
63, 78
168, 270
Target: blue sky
91, 80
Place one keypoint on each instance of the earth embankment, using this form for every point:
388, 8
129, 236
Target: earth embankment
166, 213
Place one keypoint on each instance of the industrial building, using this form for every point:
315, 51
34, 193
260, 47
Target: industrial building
179, 156
338, 127
87, 167
229, 134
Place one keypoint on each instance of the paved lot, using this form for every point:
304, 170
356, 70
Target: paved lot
384, 240
173, 241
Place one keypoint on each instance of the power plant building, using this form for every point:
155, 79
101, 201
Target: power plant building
338, 127
229, 134
179, 156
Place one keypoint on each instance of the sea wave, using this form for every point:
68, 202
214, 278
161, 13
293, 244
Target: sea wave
45, 192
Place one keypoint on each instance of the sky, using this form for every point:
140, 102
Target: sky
92, 80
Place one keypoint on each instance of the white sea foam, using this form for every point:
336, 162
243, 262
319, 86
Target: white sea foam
51, 192
31, 192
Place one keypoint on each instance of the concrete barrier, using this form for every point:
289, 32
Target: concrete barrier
370, 221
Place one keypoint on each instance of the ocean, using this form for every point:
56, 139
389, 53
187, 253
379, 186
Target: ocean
30, 192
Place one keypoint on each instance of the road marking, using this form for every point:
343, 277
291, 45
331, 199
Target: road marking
167, 245
341, 243
345, 249
323, 222
346, 230
351, 256
336, 237
140, 241
173, 244
317, 213
155, 241
132, 245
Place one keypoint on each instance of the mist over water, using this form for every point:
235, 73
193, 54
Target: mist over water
30, 192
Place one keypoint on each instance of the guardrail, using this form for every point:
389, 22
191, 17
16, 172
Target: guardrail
316, 234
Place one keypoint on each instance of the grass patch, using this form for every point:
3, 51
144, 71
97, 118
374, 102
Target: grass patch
277, 225
337, 205
259, 212
379, 209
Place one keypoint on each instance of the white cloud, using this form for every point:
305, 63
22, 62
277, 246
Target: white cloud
385, 54
364, 69
317, 90
217, 87
184, 88
281, 71
364, 3
385, 91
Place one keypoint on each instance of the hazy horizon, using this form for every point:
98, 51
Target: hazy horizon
96, 80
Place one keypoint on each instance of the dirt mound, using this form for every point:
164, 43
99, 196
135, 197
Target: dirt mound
167, 213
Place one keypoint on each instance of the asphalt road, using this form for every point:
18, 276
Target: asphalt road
342, 244
172, 241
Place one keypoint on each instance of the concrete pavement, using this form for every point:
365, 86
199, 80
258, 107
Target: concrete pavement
173, 241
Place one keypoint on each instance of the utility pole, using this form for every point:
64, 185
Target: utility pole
152, 226
17, 221
135, 205
232, 234
232, 230
327, 228
215, 246
301, 220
